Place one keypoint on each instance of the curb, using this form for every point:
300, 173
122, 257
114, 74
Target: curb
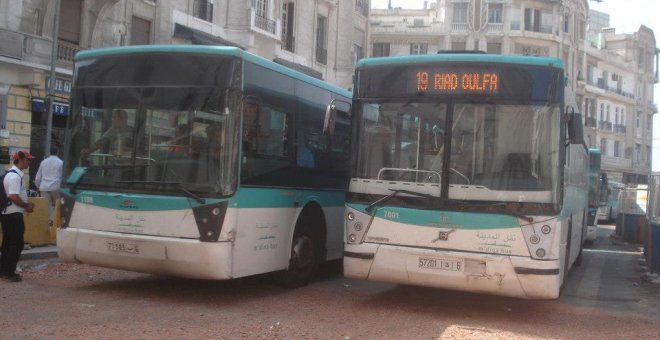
38, 255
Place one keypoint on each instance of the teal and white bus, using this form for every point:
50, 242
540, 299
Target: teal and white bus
220, 169
596, 182
467, 173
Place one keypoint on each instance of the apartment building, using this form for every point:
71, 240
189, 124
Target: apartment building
322, 38
612, 71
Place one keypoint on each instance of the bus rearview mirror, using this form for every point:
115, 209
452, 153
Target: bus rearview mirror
329, 121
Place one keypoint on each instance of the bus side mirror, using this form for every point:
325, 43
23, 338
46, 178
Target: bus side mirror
329, 121
575, 129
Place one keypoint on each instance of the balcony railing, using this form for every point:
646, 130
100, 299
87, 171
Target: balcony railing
66, 51
265, 24
459, 27
606, 126
494, 28
590, 122
618, 128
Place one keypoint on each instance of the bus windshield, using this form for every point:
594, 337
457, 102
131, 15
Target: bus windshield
155, 131
490, 152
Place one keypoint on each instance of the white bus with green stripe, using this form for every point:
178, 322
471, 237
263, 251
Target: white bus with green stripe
467, 173
221, 169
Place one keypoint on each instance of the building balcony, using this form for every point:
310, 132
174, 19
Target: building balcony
460, 27
30, 48
66, 52
266, 26
619, 128
407, 28
590, 122
605, 126
494, 28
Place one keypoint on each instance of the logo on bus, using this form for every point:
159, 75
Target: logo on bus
128, 204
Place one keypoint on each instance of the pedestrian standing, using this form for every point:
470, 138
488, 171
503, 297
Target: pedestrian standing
13, 226
48, 180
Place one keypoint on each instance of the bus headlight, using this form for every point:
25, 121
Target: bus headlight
356, 225
543, 239
534, 239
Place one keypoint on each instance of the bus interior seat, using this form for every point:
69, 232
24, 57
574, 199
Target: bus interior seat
517, 172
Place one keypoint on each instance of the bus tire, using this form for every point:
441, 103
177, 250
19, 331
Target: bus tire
305, 254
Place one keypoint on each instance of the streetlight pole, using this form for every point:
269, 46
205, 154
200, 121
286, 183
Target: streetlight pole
51, 85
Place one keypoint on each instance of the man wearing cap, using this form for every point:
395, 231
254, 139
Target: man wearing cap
13, 225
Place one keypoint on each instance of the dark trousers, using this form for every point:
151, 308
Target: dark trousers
13, 228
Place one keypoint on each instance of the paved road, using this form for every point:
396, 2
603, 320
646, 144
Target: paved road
604, 298
610, 278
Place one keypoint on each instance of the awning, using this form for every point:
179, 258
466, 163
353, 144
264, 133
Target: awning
198, 37
300, 68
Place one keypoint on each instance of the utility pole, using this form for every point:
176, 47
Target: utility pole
51, 85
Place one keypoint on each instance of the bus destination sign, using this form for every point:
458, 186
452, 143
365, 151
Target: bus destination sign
456, 82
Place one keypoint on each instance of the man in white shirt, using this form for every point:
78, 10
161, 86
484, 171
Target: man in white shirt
13, 226
48, 180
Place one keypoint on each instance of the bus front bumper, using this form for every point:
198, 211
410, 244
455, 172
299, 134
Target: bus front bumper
513, 276
146, 254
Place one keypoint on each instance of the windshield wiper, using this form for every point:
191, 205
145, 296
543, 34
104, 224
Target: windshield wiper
464, 205
179, 186
102, 167
394, 193
190, 194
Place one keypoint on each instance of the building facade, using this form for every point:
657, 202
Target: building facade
310, 36
625, 65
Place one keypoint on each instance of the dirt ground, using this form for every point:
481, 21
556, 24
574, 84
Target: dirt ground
61, 300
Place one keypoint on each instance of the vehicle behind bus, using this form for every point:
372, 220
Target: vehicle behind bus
466, 174
202, 162
596, 181
609, 202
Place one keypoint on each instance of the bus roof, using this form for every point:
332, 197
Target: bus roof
461, 57
209, 49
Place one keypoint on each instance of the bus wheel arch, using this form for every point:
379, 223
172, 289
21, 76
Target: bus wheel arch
308, 248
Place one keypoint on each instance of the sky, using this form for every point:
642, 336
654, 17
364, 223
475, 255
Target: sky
625, 15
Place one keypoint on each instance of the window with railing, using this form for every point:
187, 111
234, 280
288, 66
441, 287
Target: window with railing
603, 146
538, 21
203, 9
381, 50
362, 7
321, 39
288, 15
261, 16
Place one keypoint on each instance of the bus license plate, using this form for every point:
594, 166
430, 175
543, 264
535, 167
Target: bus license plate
442, 264
121, 247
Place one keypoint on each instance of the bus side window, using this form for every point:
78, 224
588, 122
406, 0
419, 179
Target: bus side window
265, 145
